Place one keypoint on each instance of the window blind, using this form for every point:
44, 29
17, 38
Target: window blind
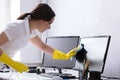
4, 13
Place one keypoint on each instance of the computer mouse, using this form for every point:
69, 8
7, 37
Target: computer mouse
57, 78
38, 70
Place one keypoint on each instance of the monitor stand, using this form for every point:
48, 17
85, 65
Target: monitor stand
65, 75
60, 74
59, 70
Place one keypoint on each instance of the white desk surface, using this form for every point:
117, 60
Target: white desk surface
25, 76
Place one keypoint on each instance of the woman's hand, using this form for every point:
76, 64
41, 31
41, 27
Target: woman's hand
18, 66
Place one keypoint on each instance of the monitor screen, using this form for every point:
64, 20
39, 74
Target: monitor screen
97, 48
64, 44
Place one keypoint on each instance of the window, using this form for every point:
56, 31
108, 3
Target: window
9, 11
14, 13
4, 13
15, 9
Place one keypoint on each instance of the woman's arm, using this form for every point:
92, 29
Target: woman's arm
56, 54
4, 58
41, 45
3, 40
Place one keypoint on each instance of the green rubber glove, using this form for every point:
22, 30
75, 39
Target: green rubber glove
18, 66
58, 55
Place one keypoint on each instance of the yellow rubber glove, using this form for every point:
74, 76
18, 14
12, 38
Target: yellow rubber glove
18, 66
58, 55
73, 52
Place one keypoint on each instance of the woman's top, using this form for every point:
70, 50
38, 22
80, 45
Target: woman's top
18, 33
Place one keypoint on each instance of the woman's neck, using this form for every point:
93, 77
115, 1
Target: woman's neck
33, 24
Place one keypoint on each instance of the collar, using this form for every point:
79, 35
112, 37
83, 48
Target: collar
27, 26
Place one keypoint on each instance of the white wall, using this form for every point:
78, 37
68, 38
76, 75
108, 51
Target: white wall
28, 5
87, 18
90, 18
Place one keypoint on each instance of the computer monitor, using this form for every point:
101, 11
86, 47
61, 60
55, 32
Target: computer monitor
97, 48
64, 44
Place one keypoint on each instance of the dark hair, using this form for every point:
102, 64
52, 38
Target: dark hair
41, 12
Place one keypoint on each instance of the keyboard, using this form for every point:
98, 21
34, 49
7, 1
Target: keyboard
47, 75
64, 76
67, 76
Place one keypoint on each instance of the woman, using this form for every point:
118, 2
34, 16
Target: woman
27, 28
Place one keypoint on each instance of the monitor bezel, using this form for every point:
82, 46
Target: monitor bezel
106, 50
61, 37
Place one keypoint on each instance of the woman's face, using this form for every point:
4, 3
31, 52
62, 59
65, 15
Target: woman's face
45, 25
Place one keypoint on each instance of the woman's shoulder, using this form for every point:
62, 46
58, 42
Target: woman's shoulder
15, 22
15, 29
18, 25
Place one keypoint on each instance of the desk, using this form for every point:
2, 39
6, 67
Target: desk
25, 76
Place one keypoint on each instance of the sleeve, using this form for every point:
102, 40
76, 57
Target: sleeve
12, 31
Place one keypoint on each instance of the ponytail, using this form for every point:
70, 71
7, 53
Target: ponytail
23, 16
40, 12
